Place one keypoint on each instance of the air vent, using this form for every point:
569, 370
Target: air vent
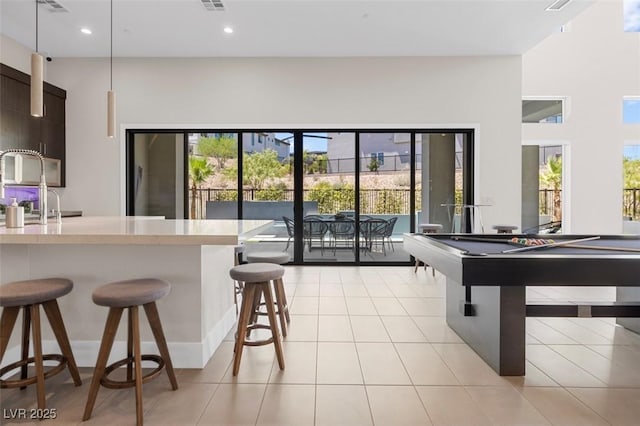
53, 6
557, 5
213, 5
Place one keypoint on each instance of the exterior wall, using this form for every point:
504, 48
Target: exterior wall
433, 92
593, 65
258, 142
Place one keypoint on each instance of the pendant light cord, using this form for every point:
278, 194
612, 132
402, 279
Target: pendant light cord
111, 52
36, 1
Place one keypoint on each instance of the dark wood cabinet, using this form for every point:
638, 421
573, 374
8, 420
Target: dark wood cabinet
19, 129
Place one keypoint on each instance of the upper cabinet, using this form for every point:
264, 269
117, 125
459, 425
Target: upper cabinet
19, 129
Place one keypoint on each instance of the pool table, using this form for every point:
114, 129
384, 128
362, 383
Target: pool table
486, 287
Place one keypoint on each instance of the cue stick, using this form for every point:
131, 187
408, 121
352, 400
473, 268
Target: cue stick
556, 244
579, 246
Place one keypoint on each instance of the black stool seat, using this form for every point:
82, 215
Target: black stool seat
130, 293
29, 292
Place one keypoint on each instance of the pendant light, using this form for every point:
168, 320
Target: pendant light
37, 76
111, 95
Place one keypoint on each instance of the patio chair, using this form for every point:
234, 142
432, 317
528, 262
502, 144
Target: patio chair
343, 230
389, 231
290, 230
315, 229
373, 231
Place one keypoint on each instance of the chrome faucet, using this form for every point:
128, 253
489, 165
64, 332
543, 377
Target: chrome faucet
57, 212
43, 183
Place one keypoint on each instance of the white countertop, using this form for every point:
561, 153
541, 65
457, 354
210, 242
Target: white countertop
134, 230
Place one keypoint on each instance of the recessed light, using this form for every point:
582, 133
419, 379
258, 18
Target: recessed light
228, 29
85, 31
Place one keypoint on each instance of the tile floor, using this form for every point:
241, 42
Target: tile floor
371, 346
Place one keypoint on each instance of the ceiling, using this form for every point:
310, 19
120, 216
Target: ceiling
290, 28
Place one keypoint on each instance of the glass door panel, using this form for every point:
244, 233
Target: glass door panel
329, 225
267, 188
213, 175
156, 178
385, 190
442, 182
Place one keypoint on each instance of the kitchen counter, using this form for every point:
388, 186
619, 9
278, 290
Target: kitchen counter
134, 230
194, 256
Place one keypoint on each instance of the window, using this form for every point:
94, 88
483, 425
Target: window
378, 157
631, 13
631, 110
542, 111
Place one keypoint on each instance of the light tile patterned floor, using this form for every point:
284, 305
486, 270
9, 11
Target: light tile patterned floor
370, 345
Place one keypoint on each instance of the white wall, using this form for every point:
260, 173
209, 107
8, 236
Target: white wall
303, 92
594, 64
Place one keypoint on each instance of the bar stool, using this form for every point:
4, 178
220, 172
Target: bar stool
238, 252
257, 279
129, 295
427, 228
29, 295
278, 258
505, 229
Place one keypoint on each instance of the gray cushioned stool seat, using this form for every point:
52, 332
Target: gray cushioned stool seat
505, 228
256, 272
30, 292
276, 257
429, 227
121, 294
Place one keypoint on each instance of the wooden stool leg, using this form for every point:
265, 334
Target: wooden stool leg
156, 327
37, 355
417, 266
110, 329
279, 290
285, 304
52, 310
243, 321
7, 321
272, 323
433, 271
26, 328
129, 343
135, 327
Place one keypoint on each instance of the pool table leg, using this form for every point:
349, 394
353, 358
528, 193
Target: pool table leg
496, 331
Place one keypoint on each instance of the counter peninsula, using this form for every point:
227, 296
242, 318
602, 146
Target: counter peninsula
193, 255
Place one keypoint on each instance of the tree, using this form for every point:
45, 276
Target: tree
631, 170
373, 165
258, 168
221, 148
199, 171
552, 179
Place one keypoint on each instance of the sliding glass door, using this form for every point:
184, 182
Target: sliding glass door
334, 196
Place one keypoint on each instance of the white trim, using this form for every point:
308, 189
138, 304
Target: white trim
183, 354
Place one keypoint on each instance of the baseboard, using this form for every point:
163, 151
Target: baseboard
183, 354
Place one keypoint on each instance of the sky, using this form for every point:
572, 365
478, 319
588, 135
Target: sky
632, 15
631, 111
309, 143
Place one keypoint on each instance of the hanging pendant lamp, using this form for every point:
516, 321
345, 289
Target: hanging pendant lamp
37, 77
111, 95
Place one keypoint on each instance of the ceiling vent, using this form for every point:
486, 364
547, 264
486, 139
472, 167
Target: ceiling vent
53, 6
557, 5
213, 5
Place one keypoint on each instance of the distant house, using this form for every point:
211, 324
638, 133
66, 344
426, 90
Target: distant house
251, 142
258, 142
379, 151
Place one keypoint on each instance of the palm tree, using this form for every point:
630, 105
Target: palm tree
552, 178
199, 171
